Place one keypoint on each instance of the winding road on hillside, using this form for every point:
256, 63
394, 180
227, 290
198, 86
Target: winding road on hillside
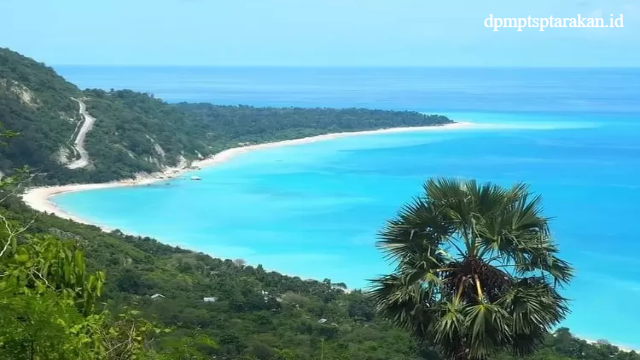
78, 143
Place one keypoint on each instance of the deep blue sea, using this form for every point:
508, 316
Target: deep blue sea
314, 210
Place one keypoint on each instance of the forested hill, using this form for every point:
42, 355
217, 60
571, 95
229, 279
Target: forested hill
249, 313
135, 132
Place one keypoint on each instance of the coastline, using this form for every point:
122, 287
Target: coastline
39, 198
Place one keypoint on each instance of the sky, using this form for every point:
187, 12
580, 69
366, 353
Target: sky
316, 33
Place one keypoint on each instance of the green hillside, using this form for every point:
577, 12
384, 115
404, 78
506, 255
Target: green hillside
37, 103
137, 133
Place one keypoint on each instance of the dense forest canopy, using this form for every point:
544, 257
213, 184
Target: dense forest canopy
182, 304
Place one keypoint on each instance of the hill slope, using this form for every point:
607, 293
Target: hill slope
37, 103
135, 133
253, 313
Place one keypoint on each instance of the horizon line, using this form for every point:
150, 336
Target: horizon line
352, 66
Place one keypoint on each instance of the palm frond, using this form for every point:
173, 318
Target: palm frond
417, 229
534, 305
448, 328
405, 305
487, 329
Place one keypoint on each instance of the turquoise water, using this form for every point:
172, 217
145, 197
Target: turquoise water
313, 210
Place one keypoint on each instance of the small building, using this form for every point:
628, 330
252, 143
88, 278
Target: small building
210, 299
157, 297
322, 321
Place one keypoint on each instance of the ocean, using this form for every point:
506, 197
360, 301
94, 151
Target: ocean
314, 210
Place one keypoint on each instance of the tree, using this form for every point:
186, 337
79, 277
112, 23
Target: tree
184, 346
476, 270
48, 298
240, 262
47, 301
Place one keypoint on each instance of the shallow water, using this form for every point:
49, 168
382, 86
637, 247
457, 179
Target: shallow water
313, 210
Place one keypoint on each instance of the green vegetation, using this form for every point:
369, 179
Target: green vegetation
137, 133
48, 298
47, 301
242, 323
71, 291
257, 314
35, 102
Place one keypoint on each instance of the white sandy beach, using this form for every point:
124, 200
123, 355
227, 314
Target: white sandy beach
39, 198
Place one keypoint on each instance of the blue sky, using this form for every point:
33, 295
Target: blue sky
315, 32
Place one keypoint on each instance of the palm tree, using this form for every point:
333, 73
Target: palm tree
476, 271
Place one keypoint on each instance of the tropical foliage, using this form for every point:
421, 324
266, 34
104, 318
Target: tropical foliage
238, 325
477, 272
48, 300
257, 314
464, 285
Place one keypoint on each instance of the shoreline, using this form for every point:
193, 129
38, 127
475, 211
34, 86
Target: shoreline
39, 198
